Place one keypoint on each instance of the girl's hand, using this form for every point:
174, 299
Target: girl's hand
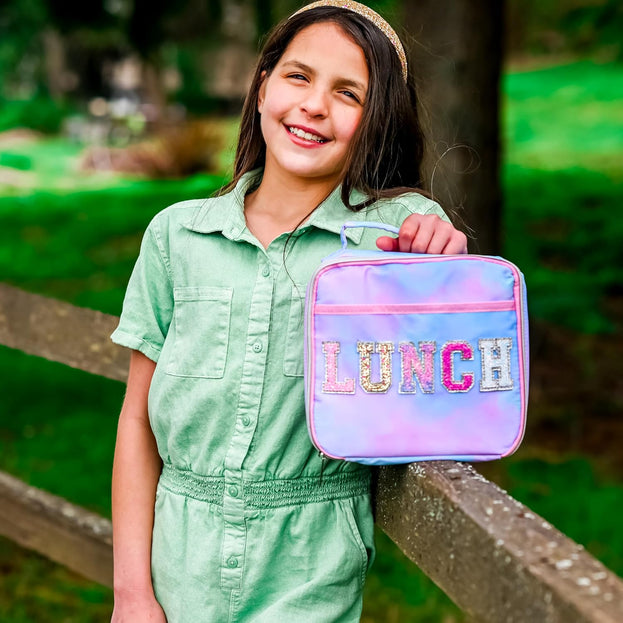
425, 233
132, 609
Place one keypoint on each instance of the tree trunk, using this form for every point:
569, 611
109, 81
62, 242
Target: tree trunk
456, 54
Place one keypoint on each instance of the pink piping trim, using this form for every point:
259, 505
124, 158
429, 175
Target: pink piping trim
415, 308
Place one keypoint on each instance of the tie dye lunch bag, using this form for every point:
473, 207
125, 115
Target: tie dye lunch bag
412, 357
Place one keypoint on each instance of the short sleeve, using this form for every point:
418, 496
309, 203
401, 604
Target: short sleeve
395, 211
148, 303
435, 208
415, 203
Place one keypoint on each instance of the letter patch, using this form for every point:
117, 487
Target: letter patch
447, 366
365, 350
496, 364
422, 367
331, 385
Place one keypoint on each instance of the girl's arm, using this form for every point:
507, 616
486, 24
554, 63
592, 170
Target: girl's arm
425, 233
136, 470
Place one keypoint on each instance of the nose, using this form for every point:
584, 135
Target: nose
315, 102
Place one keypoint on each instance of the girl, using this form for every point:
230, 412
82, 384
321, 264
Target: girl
222, 509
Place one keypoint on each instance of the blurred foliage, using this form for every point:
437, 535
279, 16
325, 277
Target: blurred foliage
21, 25
570, 27
564, 137
81, 247
39, 112
173, 152
92, 35
566, 239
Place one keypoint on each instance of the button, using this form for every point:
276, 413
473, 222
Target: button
233, 491
257, 347
266, 271
246, 420
232, 562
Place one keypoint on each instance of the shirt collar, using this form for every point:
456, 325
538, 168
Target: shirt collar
331, 214
226, 213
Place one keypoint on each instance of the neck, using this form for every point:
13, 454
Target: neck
278, 205
286, 198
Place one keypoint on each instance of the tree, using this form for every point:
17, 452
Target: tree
457, 57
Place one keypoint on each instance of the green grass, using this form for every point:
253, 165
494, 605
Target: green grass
563, 229
57, 433
58, 428
76, 238
563, 184
81, 247
565, 117
35, 590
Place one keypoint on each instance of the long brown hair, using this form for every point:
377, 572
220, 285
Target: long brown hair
385, 155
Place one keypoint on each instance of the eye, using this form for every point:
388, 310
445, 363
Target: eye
296, 76
351, 95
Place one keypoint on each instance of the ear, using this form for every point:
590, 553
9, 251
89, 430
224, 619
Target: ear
262, 92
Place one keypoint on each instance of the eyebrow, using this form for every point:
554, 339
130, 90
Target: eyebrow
347, 82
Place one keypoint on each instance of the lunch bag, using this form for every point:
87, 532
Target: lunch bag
412, 357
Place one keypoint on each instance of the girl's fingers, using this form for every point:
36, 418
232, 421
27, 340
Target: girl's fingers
408, 233
440, 240
425, 233
457, 244
418, 236
386, 243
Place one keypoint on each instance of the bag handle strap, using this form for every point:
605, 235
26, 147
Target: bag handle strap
367, 224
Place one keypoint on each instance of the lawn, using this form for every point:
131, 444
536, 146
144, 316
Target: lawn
76, 239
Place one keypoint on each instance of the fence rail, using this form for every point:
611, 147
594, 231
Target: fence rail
499, 561
52, 526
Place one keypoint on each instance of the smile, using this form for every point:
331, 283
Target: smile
306, 135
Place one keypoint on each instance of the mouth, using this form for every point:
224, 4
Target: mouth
304, 134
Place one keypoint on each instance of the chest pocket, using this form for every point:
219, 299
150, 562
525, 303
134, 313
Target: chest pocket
293, 356
202, 317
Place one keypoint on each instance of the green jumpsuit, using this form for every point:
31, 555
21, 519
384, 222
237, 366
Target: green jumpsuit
251, 524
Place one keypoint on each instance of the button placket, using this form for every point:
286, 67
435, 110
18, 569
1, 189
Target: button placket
253, 371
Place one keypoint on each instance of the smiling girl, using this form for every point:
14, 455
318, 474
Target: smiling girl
222, 509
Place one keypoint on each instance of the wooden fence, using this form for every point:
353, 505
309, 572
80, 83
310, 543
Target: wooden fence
495, 558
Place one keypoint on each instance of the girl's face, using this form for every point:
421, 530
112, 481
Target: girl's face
312, 103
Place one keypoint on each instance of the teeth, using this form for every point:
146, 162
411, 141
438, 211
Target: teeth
306, 135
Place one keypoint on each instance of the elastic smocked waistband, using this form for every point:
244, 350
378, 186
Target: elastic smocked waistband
268, 493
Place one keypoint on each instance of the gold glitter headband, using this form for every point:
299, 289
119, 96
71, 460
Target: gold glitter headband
373, 16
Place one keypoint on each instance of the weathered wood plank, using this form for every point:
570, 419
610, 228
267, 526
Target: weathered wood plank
491, 555
58, 331
64, 532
